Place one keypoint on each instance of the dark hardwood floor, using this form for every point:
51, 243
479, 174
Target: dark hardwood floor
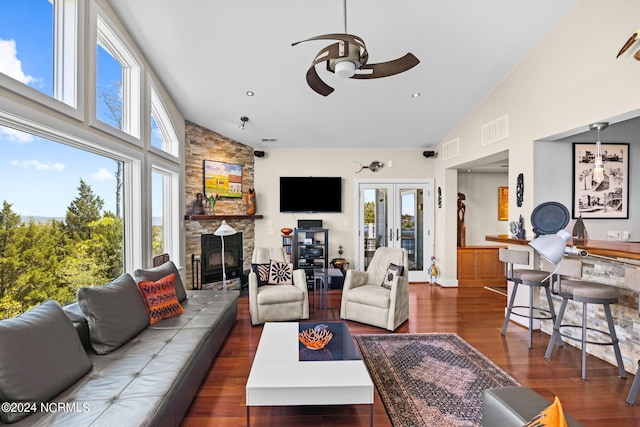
476, 314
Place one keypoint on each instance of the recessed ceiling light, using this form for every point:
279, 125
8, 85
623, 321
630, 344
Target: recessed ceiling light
415, 95
250, 93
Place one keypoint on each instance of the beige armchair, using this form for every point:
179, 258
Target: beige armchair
365, 300
271, 303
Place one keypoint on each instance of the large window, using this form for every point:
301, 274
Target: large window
38, 46
79, 182
59, 229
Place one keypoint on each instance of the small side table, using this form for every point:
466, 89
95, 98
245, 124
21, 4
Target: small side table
321, 284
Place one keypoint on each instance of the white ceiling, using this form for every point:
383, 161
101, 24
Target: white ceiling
209, 53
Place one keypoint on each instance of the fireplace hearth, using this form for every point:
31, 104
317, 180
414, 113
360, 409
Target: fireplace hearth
211, 257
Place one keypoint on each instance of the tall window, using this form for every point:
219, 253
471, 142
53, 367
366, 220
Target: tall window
165, 235
38, 45
163, 135
157, 214
59, 229
118, 82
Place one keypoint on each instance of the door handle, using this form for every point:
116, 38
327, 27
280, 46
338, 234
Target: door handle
397, 234
391, 234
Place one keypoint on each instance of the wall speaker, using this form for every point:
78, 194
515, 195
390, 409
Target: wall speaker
308, 224
429, 153
258, 153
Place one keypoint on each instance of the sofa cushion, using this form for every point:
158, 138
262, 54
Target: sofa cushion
372, 295
393, 271
262, 273
40, 356
275, 294
115, 312
160, 298
157, 273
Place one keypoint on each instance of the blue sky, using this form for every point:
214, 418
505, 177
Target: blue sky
40, 177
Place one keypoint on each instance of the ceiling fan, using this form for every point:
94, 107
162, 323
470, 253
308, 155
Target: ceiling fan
348, 58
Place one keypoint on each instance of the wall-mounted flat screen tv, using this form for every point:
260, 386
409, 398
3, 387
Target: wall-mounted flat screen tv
310, 194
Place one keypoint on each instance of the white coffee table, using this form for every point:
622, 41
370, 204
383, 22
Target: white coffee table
278, 378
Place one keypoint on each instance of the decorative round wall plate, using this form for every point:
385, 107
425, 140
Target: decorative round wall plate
549, 218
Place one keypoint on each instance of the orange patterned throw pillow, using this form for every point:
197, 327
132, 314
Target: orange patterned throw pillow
551, 416
160, 298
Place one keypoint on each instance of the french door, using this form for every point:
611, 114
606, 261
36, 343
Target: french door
396, 214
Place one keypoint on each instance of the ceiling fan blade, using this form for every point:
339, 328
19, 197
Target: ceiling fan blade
385, 69
629, 42
315, 82
336, 36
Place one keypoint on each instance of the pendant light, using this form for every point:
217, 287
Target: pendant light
598, 169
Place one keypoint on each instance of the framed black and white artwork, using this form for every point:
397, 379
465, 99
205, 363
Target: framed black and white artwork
608, 198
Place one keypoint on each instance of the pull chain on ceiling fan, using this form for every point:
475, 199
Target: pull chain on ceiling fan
348, 58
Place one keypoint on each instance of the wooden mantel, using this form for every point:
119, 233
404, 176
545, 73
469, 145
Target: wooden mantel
603, 248
220, 217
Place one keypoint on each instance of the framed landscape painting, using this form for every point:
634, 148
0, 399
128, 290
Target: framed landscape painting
606, 199
223, 179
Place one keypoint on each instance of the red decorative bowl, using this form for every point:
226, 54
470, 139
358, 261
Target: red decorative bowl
286, 231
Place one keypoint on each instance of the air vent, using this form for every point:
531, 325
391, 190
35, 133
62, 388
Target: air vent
451, 149
269, 139
495, 131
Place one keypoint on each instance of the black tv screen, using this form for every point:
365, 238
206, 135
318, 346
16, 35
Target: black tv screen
310, 194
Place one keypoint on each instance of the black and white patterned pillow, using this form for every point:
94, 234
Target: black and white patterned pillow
392, 271
262, 272
281, 273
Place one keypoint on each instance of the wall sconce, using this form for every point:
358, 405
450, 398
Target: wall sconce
598, 169
243, 120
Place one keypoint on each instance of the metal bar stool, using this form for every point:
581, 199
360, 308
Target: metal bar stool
533, 279
632, 275
584, 292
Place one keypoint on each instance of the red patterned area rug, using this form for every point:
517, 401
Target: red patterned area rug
430, 379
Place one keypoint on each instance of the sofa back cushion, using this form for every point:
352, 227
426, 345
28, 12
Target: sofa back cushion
115, 312
40, 356
156, 273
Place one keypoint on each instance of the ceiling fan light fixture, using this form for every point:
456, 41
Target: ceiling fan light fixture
345, 69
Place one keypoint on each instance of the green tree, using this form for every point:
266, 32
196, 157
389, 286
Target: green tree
369, 212
82, 211
9, 261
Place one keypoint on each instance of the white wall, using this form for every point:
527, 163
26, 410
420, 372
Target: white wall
572, 78
326, 162
481, 213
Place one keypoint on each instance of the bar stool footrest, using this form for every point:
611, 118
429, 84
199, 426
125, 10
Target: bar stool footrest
599, 331
544, 314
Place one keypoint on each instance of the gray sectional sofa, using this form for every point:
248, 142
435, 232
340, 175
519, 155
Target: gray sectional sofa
99, 362
514, 407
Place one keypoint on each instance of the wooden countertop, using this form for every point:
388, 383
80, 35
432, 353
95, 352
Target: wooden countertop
605, 248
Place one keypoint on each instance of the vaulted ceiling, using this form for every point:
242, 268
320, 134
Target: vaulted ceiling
209, 53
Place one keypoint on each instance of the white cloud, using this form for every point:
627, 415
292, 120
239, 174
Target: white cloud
10, 64
102, 174
38, 165
14, 135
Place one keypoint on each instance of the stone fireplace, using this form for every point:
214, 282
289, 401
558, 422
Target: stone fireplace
204, 144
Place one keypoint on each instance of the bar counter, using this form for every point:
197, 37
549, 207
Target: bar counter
606, 263
602, 248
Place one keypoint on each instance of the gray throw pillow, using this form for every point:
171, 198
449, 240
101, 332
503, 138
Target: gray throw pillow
156, 273
40, 356
116, 313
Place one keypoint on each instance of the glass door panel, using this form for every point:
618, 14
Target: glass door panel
393, 215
